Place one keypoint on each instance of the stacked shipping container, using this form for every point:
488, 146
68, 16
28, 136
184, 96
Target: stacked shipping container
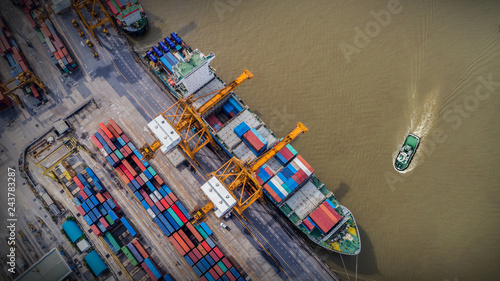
169, 214
47, 34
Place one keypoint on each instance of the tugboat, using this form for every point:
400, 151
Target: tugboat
406, 153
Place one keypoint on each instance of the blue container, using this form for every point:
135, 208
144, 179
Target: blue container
155, 210
152, 57
163, 192
260, 137
87, 219
206, 228
197, 270
165, 62
188, 260
161, 226
101, 227
131, 186
152, 267
167, 277
90, 204
102, 210
209, 277
135, 184
121, 141
98, 186
106, 206
91, 174
148, 175
201, 266
134, 252
88, 191
205, 263
241, 129
172, 59
225, 278
210, 242
330, 203
276, 190
292, 169
113, 215
170, 43
183, 209
77, 202
234, 272
165, 187
157, 51
281, 159
92, 216
210, 260
85, 207
163, 47
150, 184
94, 200
138, 195
97, 213
145, 204
291, 184
166, 223
235, 104
171, 220
131, 146
82, 179
111, 203
128, 226
282, 177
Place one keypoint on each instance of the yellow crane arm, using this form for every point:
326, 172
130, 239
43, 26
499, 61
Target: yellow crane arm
224, 92
257, 163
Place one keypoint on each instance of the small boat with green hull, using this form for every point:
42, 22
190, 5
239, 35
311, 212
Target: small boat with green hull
407, 152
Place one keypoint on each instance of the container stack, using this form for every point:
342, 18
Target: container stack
168, 213
16, 59
230, 108
251, 137
48, 36
323, 218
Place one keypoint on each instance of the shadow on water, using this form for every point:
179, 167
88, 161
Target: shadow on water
341, 191
186, 29
367, 262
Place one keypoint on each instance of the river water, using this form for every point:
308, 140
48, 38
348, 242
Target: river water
362, 75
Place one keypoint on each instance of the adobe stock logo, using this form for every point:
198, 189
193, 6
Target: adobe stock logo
372, 29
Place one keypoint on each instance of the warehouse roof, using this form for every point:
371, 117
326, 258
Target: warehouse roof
96, 263
51, 267
73, 230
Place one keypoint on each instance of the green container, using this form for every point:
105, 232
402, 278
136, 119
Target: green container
112, 240
152, 171
176, 218
129, 255
109, 219
40, 36
201, 231
116, 5
286, 188
222, 266
119, 154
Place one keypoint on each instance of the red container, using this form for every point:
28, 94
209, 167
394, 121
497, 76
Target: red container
96, 230
65, 52
107, 195
305, 163
129, 167
272, 193
105, 130
122, 175
173, 197
83, 194
139, 180
203, 278
116, 127
202, 250
193, 257
218, 270
206, 246
164, 203
197, 253
106, 139
96, 141
127, 149
156, 184
169, 200
149, 201
308, 225
186, 239
179, 213
81, 210
104, 222
195, 232
112, 130
159, 180
181, 242
213, 273
160, 206
176, 245
253, 141
214, 256
123, 152
125, 138
138, 163
148, 271
139, 248
321, 220
100, 197
78, 182
114, 157
218, 252
227, 263
329, 210
230, 276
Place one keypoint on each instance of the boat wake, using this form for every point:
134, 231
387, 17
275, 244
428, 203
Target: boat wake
422, 120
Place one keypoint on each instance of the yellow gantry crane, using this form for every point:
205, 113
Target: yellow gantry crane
238, 176
92, 22
188, 122
23, 79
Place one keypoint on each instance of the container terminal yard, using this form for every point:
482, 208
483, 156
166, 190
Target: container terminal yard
87, 205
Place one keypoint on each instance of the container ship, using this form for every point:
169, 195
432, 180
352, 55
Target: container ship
287, 179
129, 15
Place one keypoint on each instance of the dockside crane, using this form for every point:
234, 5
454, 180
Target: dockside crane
238, 177
91, 21
22, 79
187, 120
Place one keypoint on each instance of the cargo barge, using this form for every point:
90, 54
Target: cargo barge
405, 155
129, 15
287, 179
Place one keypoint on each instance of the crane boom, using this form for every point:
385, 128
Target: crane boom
257, 163
224, 92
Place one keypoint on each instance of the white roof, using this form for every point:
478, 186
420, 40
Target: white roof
218, 194
83, 245
165, 133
